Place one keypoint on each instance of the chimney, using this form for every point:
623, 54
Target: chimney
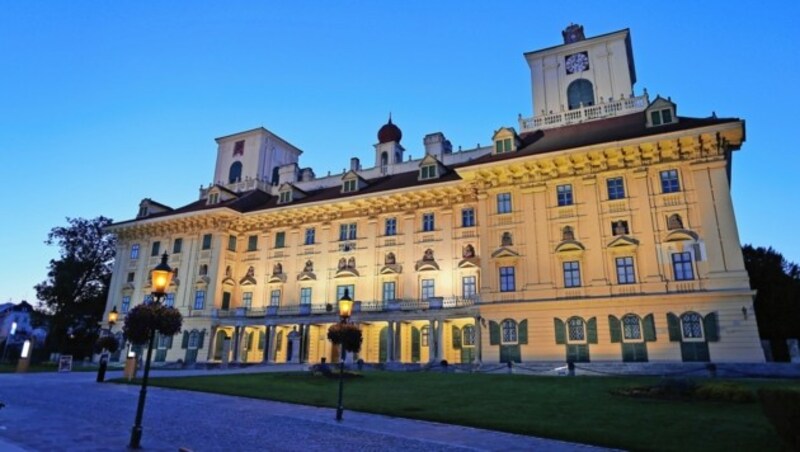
355, 165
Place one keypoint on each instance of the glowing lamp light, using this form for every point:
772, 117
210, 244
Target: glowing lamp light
345, 305
26, 349
113, 315
161, 276
131, 353
13, 328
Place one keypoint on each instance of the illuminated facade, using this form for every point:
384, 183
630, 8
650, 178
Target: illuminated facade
600, 229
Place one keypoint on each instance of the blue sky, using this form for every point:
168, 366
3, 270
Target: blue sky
105, 103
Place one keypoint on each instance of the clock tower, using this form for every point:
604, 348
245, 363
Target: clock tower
581, 72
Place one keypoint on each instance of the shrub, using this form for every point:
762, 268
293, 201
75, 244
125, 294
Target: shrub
782, 408
725, 392
109, 343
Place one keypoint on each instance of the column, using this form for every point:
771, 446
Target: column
304, 333
478, 340
390, 342
236, 342
439, 340
271, 344
431, 341
212, 343
398, 343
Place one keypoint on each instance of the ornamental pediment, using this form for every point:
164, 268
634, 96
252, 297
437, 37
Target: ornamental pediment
277, 278
426, 265
228, 281
247, 281
201, 281
346, 272
307, 276
623, 244
504, 252
472, 262
680, 235
391, 269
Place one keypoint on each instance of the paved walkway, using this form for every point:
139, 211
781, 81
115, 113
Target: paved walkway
54, 412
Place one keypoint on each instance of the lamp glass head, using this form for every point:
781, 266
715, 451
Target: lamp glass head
113, 315
161, 276
345, 305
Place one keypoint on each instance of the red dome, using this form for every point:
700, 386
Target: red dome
389, 132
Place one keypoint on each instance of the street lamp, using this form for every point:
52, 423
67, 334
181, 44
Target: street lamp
113, 315
161, 276
345, 309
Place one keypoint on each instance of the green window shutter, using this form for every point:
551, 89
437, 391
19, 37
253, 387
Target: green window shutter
514, 354
415, 336
523, 332
572, 353
591, 330
649, 326
711, 326
202, 335
615, 329
456, 337
185, 342
583, 353
169, 342
674, 326
561, 331
494, 333
262, 340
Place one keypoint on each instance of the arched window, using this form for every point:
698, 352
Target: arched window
194, 339
469, 335
275, 177
576, 329
235, 173
509, 331
384, 161
580, 94
692, 325
567, 233
631, 327
426, 332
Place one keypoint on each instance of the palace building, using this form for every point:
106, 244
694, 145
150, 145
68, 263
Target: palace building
599, 229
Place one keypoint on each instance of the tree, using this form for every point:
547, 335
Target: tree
777, 302
76, 288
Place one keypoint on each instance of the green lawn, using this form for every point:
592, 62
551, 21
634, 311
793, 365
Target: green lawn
577, 409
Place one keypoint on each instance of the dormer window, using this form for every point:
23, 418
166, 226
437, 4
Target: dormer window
505, 140
349, 186
285, 197
213, 198
660, 117
427, 172
501, 146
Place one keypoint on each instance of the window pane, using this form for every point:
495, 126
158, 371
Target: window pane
310, 236
631, 327
247, 299
275, 297
682, 266
666, 116
507, 283
655, 118
576, 329
280, 239
207, 241
305, 295
135, 251
468, 217
428, 289
691, 326
156, 249
504, 203
428, 222
669, 181
391, 226
509, 331
616, 188
389, 291
200, 299
468, 286
177, 245
564, 195
572, 274
625, 274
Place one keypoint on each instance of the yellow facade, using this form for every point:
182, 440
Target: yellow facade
644, 234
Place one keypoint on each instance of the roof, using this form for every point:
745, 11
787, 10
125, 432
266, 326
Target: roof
532, 143
595, 132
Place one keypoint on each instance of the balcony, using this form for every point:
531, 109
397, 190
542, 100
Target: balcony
601, 111
405, 304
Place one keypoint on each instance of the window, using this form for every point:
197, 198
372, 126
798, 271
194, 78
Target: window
691, 326
155, 250
213, 198
428, 222
252, 243
619, 227
504, 203
507, 279
428, 289
572, 274
580, 93
235, 172
625, 274
349, 288
348, 231
135, 251
194, 340
131, 276
305, 295
275, 297
631, 327
469, 288
147, 299
207, 242
616, 188
247, 299
200, 299
467, 217
231, 243
170, 300
469, 335
425, 332
203, 270
177, 245
669, 181
576, 330
428, 172
391, 226
310, 236
238, 148
501, 146
389, 291
349, 186
564, 195
126, 304
509, 328
682, 266
659, 117
284, 197
280, 239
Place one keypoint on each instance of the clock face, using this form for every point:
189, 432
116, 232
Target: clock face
577, 62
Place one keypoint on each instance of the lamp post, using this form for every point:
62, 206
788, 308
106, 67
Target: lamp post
161, 277
9, 337
345, 309
104, 354
113, 315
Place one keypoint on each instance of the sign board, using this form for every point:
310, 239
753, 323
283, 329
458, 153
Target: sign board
65, 363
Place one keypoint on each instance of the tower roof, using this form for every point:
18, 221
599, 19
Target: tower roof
389, 132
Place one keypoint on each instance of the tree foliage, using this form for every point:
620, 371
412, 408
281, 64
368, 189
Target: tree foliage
75, 291
777, 282
144, 318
